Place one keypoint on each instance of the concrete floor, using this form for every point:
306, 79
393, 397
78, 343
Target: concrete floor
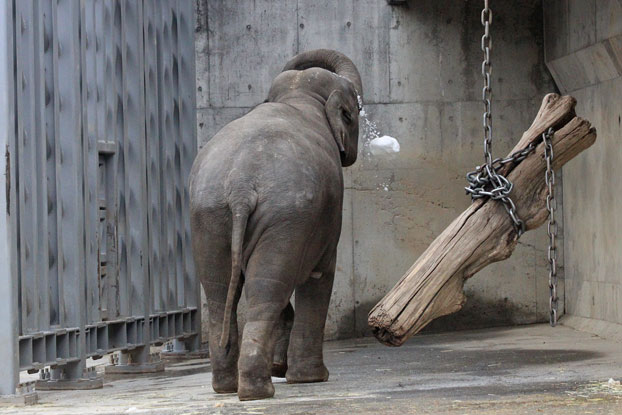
520, 370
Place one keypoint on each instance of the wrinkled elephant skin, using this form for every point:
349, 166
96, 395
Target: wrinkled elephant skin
266, 196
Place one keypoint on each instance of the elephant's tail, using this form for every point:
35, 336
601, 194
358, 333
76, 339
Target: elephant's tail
239, 215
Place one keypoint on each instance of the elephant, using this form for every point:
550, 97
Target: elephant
266, 195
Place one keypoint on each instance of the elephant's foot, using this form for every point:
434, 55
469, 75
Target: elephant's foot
255, 388
279, 369
225, 382
307, 372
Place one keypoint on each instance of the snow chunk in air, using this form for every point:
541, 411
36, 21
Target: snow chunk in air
384, 145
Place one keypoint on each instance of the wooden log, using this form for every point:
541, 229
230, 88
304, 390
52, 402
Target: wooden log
483, 233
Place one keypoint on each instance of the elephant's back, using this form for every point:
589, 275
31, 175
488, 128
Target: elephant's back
271, 151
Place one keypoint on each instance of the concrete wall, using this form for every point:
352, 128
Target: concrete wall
583, 47
421, 74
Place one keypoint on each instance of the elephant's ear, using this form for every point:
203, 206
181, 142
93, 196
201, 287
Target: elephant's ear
334, 113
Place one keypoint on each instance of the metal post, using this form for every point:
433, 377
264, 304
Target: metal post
187, 99
8, 280
11, 391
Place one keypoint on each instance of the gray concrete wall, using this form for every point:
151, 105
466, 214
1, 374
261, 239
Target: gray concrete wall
583, 47
421, 74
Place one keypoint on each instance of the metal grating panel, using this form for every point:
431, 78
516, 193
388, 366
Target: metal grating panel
102, 102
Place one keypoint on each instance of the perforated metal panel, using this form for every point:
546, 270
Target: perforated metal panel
101, 112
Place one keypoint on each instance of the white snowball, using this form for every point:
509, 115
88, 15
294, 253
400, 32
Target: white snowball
384, 145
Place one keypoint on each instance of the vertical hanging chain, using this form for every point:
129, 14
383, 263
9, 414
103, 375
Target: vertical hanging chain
484, 181
486, 19
551, 206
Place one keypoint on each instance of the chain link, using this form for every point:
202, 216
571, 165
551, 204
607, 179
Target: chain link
485, 181
551, 206
487, 90
497, 186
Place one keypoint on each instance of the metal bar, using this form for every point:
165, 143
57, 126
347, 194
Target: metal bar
69, 176
13, 193
26, 168
123, 291
100, 33
8, 261
135, 168
48, 176
40, 156
110, 279
167, 142
176, 139
164, 243
187, 99
153, 155
40, 174
90, 156
113, 271
105, 239
57, 153
134, 153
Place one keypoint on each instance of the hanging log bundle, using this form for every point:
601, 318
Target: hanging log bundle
483, 233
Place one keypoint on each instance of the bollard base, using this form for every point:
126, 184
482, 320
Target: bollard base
70, 384
122, 364
135, 368
25, 394
19, 400
176, 352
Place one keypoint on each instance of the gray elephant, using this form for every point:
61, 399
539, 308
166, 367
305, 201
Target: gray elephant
266, 196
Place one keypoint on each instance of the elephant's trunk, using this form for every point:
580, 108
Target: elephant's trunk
328, 59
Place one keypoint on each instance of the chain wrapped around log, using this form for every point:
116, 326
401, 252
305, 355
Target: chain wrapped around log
483, 233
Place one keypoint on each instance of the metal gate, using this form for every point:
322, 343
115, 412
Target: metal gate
97, 112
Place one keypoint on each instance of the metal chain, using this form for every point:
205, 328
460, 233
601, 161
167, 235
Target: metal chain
551, 206
485, 181
486, 19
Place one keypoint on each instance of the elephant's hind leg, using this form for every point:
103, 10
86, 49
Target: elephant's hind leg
281, 335
305, 355
270, 279
224, 360
212, 253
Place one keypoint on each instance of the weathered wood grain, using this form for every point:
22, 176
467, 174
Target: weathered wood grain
483, 233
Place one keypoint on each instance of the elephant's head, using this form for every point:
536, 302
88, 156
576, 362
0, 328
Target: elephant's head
337, 82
